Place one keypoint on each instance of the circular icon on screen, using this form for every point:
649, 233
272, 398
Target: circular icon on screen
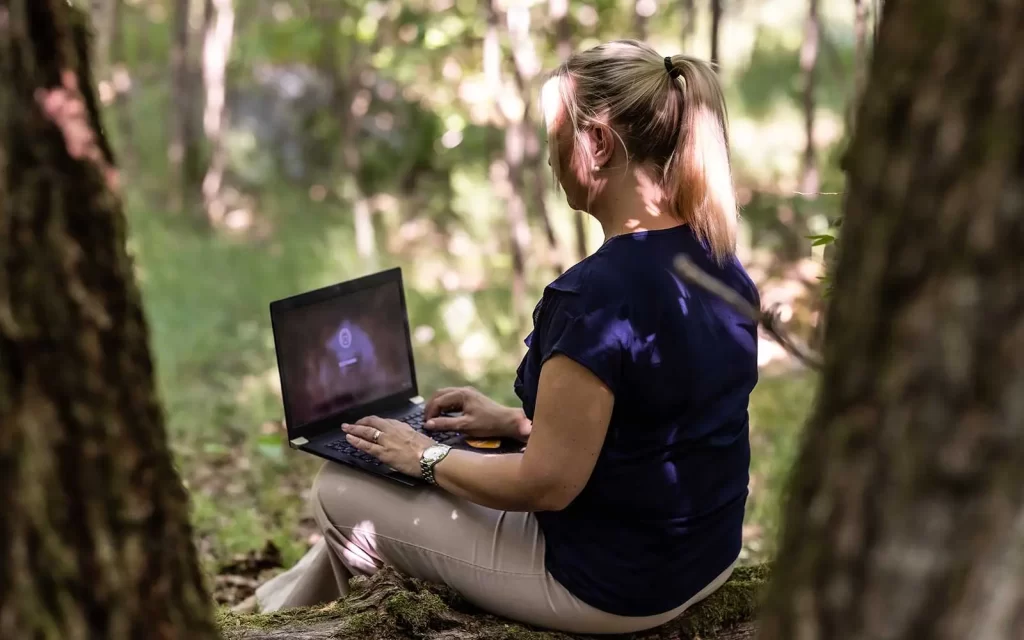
345, 337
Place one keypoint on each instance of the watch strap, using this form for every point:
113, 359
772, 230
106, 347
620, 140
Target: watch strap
427, 463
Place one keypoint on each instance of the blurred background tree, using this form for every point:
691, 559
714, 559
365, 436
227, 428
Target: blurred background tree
272, 146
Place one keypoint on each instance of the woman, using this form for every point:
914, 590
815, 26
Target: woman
627, 504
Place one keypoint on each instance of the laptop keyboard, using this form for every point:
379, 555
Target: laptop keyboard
414, 420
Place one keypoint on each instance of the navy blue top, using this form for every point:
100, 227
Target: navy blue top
661, 515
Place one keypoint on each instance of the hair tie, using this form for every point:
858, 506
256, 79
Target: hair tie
673, 72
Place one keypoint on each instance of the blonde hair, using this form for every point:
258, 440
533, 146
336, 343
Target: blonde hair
673, 121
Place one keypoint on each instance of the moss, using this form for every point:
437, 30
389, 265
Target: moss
360, 625
736, 601
415, 610
289, 617
759, 573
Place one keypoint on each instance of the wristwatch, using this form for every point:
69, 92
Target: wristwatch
431, 456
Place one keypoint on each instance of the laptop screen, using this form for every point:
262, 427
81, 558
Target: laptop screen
343, 352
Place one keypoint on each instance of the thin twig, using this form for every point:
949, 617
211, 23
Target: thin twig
768, 319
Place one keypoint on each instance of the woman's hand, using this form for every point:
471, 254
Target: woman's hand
392, 442
481, 417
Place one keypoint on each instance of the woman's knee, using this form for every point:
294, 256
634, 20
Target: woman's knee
332, 494
346, 497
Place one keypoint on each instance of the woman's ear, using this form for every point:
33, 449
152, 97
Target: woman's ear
602, 144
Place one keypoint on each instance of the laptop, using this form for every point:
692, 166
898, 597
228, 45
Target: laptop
344, 352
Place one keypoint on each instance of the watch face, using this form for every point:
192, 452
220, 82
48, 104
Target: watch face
433, 453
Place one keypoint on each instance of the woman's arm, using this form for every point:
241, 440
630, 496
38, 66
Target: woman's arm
569, 426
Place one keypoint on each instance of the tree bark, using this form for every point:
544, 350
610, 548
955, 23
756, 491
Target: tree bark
716, 26
95, 540
906, 509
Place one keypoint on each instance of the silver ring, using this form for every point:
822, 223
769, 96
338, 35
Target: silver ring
376, 435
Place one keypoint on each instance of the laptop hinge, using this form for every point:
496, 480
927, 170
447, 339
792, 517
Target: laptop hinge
298, 442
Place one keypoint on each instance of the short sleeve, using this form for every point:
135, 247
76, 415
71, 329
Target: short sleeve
597, 338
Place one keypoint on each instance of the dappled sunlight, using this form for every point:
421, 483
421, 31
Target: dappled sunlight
363, 543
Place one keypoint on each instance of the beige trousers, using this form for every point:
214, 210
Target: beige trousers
494, 559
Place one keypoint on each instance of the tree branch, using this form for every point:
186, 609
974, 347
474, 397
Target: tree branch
768, 319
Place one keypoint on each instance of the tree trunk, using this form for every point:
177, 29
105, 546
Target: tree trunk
95, 540
526, 65
642, 12
217, 41
809, 66
906, 509
558, 11
102, 18
507, 174
182, 150
352, 103
121, 82
689, 20
716, 26
860, 56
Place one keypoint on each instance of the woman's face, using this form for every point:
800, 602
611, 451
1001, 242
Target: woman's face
570, 168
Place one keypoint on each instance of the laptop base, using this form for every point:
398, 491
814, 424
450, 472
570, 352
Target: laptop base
335, 447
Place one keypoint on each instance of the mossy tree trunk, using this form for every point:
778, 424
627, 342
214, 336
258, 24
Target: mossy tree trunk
94, 535
906, 510
389, 606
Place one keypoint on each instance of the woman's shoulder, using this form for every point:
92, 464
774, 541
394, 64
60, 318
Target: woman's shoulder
596, 281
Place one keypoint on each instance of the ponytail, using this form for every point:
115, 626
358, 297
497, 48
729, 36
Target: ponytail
670, 115
698, 176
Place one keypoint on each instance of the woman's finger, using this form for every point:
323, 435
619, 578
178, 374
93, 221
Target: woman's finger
363, 432
376, 423
374, 450
447, 424
444, 400
433, 407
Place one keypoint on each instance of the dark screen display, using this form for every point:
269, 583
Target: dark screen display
342, 353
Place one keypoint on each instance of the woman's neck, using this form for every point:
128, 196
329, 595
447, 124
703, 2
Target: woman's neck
633, 203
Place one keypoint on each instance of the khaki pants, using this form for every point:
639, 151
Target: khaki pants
494, 559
